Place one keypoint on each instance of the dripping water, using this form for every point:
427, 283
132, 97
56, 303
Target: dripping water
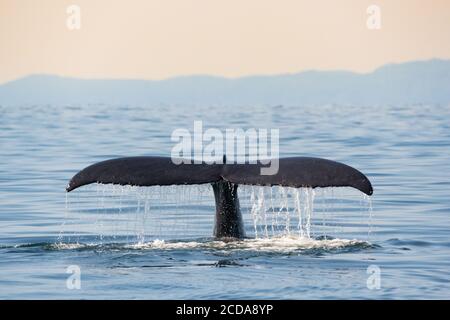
112, 213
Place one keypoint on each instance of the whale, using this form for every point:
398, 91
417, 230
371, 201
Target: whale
225, 178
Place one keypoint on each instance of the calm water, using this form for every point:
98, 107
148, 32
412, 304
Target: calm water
154, 243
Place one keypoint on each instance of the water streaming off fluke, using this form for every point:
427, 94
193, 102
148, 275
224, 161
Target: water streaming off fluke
273, 216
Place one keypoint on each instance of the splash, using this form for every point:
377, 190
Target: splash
284, 244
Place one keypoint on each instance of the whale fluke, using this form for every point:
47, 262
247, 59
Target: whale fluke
151, 171
224, 178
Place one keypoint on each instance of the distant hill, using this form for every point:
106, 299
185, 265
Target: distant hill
426, 82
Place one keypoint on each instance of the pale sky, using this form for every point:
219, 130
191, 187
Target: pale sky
149, 39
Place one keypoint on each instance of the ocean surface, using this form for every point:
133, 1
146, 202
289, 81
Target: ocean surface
113, 242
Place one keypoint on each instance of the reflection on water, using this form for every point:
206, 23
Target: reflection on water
156, 242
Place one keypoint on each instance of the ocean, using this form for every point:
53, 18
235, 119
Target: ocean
123, 242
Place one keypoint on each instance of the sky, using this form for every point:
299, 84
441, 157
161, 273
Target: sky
148, 39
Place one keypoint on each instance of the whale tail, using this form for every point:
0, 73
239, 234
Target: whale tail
225, 178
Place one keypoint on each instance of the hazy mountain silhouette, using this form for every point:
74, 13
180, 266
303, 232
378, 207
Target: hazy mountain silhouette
406, 83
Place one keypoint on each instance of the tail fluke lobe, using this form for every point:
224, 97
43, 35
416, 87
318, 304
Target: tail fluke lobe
300, 172
145, 171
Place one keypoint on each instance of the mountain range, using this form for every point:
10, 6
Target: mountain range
419, 82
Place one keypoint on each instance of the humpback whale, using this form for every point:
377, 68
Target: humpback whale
224, 178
